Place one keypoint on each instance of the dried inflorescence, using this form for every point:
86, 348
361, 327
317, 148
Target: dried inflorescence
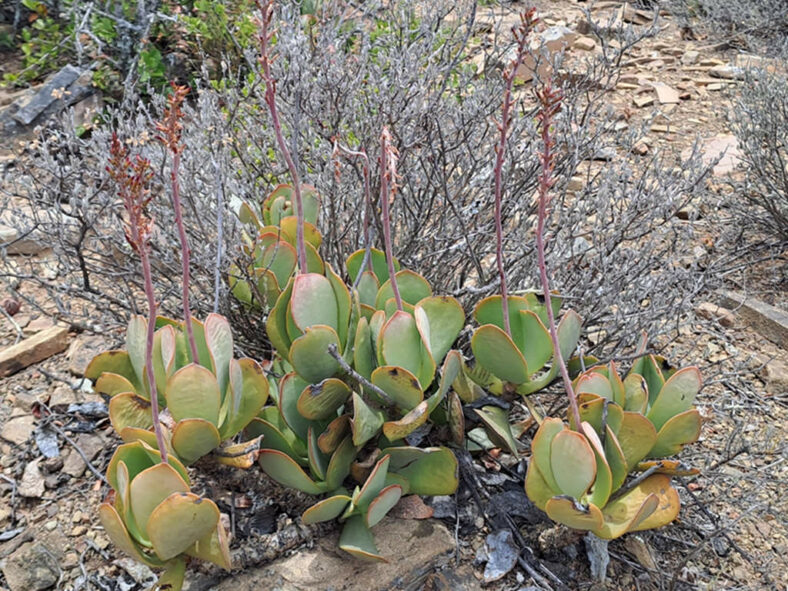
132, 177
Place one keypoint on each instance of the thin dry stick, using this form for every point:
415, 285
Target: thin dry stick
550, 101
132, 179
521, 34
264, 37
171, 129
388, 188
367, 262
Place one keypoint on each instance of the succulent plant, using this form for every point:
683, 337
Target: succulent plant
577, 476
312, 439
155, 518
577, 479
664, 396
516, 360
273, 249
209, 401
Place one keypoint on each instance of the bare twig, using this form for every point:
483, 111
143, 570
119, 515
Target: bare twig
332, 350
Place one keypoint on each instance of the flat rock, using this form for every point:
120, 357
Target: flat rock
725, 147
15, 242
91, 445
47, 94
82, 351
666, 95
412, 547
584, 43
775, 373
18, 428
501, 555
32, 483
711, 311
32, 567
33, 349
770, 322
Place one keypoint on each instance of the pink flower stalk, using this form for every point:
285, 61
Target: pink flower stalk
132, 178
388, 190
550, 101
264, 35
171, 129
521, 35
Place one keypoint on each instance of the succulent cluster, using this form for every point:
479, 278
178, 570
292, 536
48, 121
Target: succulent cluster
578, 475
357, 379
209, 400
364, 384
156, 519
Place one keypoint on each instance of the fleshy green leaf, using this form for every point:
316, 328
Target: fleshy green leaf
637, 437
382, 504
374, 483
445, 319
497, 353
321, 401
194, 438
149, 488
537, 346
412, 288
285, 471
379, 265
400, 384
572, 514
496, 421
357, 540
339, 464
573, 463
309, 354
682, 429
117, 532
677, 396
129, 410
179, 521
193, 393
326, 510
366, 422
313, 302
540, 448
429, 471
219, 340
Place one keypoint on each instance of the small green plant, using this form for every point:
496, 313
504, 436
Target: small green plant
578, 475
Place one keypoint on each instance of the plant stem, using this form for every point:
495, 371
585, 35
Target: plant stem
149, 375
388, 178
551, 102
521, 35
267, 9
185, 253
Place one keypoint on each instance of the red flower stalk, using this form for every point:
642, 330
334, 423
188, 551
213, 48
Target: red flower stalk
521, 35
388, 190
132, 178
266, 7
550, 101
170, 129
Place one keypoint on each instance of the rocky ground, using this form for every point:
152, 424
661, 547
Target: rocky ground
55, 439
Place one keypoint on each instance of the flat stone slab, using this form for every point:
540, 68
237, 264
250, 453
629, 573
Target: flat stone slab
770, 322
47, 94
413, 548
40, 346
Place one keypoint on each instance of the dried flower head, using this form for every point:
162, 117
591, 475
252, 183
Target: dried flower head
170, 127
132, 176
